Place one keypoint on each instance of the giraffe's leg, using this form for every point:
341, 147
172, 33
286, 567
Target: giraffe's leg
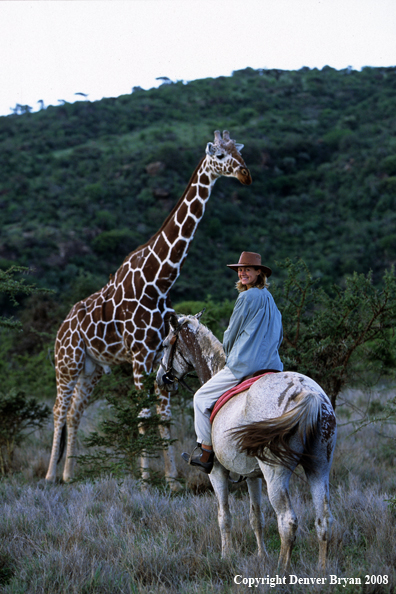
82, 391
219, 479
256, 515
61, 406
277, 479
138, 370
145, 413
164, 411
69, 365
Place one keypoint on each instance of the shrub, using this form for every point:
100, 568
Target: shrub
11, 287
341, 337
18, 414
117, 443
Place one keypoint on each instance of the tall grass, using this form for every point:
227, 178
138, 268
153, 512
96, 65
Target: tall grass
115, 537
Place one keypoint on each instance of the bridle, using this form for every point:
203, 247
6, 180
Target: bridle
169, 376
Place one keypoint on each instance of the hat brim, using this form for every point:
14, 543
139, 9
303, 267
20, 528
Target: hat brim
267, 271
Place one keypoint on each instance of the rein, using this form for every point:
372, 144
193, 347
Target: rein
169, 376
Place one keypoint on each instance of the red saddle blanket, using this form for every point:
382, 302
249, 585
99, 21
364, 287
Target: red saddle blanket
245, 385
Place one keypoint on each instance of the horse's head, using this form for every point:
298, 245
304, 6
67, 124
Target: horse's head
177, 360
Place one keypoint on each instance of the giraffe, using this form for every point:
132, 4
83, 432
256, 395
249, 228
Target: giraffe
125, 320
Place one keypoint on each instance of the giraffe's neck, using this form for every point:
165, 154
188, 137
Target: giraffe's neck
163, 255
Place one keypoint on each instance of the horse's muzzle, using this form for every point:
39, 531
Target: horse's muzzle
168, 378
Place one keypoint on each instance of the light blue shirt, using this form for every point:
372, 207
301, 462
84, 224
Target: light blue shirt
254, 334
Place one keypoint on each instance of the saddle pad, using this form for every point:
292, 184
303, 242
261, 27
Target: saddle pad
245, 385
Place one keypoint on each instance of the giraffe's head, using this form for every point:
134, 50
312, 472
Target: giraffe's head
224, 158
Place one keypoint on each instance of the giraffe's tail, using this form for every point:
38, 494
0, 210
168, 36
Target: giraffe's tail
62, 443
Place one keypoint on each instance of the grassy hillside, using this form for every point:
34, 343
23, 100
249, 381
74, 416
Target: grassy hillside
77, 193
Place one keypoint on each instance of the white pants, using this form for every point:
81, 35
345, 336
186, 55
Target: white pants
204, 400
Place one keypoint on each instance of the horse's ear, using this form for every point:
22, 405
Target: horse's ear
198, 315
173, 321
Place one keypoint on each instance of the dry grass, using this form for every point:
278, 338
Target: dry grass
112, 537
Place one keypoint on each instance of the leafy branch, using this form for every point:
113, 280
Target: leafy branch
12, 287
18, 414
118, 442
339, 337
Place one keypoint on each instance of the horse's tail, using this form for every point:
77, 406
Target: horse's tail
62, 443
268, 440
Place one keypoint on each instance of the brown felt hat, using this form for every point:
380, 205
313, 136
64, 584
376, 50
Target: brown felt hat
251, 259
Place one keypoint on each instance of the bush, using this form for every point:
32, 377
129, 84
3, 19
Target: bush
18, 414
11, 287
117, 443
215, 317
115, 242
340, 338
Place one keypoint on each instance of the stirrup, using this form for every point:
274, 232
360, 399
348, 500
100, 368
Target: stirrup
205, 467
197, 447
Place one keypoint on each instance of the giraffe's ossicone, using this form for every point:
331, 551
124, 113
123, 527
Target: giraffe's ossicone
125, 320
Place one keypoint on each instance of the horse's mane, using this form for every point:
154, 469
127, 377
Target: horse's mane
211, 347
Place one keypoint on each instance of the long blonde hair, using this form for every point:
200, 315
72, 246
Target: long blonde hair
260, 283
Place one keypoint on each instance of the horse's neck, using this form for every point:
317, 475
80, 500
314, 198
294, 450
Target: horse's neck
210, 357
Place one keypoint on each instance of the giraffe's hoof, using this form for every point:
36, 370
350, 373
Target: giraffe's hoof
174, 485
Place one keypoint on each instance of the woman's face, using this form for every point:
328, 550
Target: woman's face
248, 275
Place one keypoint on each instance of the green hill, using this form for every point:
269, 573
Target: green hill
77, 192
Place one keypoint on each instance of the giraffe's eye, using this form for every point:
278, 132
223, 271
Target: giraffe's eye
220, 157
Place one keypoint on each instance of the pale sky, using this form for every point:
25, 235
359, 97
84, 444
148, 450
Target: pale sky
52, 49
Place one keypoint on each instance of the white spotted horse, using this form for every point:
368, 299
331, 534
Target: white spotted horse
282, 420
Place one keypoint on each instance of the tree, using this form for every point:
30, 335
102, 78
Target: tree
12, 287
18, 413
339, 338
117, 444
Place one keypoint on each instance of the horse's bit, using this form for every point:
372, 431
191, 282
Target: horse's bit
169, 376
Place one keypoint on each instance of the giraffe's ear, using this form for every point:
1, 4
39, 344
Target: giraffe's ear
239, 147
210, 149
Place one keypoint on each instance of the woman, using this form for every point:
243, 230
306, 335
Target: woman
251, 344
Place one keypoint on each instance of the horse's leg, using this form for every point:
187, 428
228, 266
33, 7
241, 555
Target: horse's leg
277, 479
256, 515
219, 479
319, 484
318, 477
80, 399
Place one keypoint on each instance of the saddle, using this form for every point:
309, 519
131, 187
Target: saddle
244, 385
